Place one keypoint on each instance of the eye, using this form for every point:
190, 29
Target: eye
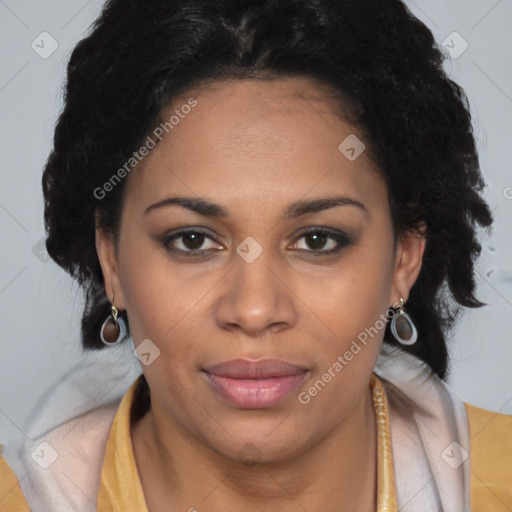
322, 241
318, 241
191, 241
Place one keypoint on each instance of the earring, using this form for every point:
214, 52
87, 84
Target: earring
113, 330
402, 327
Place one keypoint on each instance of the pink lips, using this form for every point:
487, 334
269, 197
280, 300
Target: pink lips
255, 384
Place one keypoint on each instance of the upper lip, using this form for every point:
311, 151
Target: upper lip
248, 369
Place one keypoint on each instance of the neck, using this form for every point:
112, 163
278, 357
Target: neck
337, 473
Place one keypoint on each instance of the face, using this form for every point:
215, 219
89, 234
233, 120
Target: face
257, 265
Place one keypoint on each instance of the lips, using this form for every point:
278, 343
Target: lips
254, 384
246, 369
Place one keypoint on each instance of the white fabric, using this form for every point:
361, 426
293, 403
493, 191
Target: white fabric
426, 418
74, 418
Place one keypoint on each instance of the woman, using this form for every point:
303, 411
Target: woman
276, 202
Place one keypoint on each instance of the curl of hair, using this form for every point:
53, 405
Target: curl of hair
384, 71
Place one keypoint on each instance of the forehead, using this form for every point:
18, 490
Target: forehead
250, 140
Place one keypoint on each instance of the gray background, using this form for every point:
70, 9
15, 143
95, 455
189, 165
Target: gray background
40, 306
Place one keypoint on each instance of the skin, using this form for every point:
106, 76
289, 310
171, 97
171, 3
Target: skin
254, 148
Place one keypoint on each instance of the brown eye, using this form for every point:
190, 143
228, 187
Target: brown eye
322, 241
191, 241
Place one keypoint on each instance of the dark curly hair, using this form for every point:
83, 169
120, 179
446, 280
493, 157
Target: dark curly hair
381, 64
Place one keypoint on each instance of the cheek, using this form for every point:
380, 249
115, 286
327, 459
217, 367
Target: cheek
352, 302
147, 287
352, 296
163, 301
347, 361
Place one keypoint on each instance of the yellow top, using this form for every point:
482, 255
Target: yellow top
121, 490
491, 460
11, 497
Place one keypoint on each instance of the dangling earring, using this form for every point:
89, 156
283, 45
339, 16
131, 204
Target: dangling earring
403, 328
113, 330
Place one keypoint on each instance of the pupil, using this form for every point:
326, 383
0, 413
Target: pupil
193, 240
318, 240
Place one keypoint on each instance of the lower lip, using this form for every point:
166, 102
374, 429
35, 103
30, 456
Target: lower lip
255, 393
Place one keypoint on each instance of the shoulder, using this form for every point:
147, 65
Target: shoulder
11, 496
491, 459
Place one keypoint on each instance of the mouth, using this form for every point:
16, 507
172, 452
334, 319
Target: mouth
255, 384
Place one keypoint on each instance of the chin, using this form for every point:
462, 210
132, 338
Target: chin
258, 447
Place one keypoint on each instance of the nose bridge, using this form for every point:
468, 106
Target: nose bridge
256, 298
255, 270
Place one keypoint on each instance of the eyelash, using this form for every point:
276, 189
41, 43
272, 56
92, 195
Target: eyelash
340, 238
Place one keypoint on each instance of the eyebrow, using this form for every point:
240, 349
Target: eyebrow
207, 208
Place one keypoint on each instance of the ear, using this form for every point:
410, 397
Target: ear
409, 258
105, 248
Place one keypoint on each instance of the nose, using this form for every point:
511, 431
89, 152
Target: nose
257, 299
